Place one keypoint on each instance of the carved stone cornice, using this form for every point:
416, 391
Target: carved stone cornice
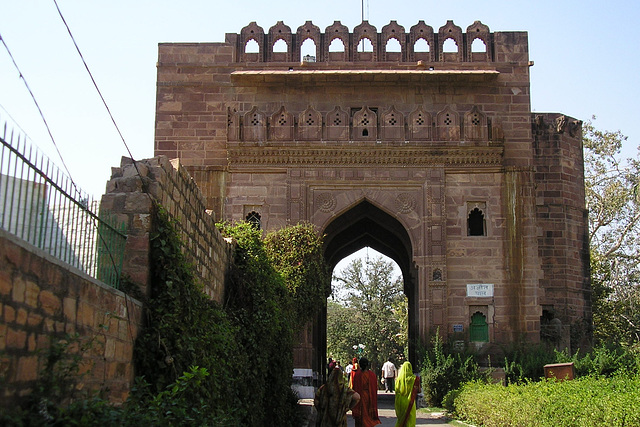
241, 155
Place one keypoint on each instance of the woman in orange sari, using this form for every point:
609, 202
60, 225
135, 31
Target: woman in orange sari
407, 389
365, 383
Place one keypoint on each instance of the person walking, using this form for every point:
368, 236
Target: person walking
333, 400
365, 383
407, 389
389, 375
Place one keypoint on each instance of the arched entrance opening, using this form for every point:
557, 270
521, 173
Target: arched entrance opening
366, 225
367, 287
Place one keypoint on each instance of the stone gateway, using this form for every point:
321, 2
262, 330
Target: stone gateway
421, 145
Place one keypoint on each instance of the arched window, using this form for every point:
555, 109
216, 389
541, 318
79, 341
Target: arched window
421, 45
450, 45
475, 223
253, 218
393, 45
364, 45
478, 46
252, 47
280, 46
479, 329
308, 51
336, 45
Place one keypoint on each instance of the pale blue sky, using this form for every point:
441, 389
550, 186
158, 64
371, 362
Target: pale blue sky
586, 58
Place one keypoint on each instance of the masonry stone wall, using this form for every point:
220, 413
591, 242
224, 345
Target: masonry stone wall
560, 211
395, 151
129, 195
41, 299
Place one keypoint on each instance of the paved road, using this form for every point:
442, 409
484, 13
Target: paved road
388, 414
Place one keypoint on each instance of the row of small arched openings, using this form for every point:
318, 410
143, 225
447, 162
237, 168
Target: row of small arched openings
336, 43
359, 124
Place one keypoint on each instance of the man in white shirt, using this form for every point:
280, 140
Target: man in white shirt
348, 369
389, 374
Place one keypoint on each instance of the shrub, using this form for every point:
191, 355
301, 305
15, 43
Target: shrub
526, 362
296, 253
606, 359
443, 371
588, 401
185, 328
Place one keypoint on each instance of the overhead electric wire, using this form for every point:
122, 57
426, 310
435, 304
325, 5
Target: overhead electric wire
15, 122
53, 140
97, 89
135, 165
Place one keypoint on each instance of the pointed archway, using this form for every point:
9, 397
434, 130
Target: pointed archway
366, 225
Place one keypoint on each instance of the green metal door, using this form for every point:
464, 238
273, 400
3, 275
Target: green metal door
479, 329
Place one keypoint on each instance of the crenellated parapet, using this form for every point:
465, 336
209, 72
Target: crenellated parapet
365, 43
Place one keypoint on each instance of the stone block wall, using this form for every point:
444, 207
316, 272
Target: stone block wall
560, 209
129, 195
42, 298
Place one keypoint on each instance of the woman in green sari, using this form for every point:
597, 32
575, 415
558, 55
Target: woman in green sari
407, 389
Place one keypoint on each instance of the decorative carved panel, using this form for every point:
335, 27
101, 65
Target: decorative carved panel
254, 125
310, 125
447, 125
392, 125
337, 124
475, 125
365, 125
281, 125
420, 123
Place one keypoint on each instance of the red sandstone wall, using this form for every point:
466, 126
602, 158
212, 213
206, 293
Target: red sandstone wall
561, 213
221, 111
42, 298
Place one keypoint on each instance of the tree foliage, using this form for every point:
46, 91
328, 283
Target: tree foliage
612, 191
372, 312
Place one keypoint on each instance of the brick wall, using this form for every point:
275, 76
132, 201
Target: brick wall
43, 298
129, 195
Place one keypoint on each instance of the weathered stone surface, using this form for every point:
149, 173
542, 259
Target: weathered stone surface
347, 166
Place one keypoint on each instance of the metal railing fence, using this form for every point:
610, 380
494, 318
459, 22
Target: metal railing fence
43, 206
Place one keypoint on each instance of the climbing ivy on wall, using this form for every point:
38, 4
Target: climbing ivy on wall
297, 254
246, 343
184, 328
261, 299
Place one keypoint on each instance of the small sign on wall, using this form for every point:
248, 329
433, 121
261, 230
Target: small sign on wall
480, 290
458, 328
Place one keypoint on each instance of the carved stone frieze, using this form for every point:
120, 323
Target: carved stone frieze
368, 156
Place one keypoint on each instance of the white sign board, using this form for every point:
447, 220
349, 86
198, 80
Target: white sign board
480, 290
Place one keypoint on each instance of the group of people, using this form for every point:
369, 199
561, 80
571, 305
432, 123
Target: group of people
360, 395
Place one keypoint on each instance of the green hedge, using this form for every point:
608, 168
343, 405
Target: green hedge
584, 402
